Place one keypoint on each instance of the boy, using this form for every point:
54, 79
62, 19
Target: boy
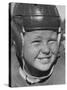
36, 34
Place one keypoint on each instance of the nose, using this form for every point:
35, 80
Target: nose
45, 49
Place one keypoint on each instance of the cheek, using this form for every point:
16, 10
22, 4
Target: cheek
30, 52
54, 48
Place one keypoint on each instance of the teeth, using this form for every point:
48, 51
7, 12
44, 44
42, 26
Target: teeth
44, 61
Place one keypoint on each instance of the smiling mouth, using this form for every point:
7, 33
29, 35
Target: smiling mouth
44, 60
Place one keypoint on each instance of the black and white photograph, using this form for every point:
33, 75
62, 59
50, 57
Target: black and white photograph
36, 44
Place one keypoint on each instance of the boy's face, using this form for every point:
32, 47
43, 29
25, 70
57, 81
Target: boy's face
40, 49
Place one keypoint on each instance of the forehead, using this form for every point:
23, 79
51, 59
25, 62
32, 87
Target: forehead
42, 34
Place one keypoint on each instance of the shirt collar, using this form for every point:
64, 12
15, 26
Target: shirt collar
32, 79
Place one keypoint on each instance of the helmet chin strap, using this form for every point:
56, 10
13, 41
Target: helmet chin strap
59, 35
32, 79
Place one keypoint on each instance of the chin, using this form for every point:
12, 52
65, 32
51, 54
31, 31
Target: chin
45, 67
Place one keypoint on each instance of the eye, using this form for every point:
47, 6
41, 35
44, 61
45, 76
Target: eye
52, 41
36, 41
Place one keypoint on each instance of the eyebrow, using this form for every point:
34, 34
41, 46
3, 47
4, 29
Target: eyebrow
37, 37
